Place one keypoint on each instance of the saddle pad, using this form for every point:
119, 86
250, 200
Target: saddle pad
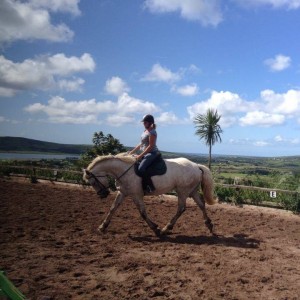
158, 167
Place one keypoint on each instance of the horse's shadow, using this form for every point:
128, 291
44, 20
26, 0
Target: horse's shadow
237, 240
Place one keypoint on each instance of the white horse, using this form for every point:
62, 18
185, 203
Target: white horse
183, 176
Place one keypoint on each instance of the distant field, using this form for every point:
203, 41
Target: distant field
281, 173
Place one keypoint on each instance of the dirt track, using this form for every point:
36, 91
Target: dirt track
50, 249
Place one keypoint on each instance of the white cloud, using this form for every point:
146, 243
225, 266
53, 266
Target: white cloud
7, 92
116, 86
242, 141
207, 12
187, 90
161, 74
290, 141
260, 143
85, 119
194, 69
6, 120
276, 141
43, 73
271, 109
67, 6
278, 138
167, 118
71, 85
60, 110
227, 104
295, 141
260, 118
289, 4
117, 120
58, 106
127, 104
286, 103
62, 65
24, 21
279, 63
24, 75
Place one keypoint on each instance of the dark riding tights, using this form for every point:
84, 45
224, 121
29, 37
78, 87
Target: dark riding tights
145, 163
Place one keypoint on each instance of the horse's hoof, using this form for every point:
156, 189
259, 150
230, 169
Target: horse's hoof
165, 231
209, 225
157, 232
101, 229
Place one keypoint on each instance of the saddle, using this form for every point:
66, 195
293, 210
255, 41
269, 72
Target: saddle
158, 167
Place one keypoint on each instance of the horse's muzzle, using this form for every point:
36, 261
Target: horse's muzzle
103, 193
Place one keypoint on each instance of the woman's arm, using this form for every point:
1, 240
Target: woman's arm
152, 140
136, 148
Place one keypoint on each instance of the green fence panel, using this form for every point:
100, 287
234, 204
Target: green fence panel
8, 289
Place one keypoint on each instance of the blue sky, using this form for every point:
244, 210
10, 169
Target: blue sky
69, 68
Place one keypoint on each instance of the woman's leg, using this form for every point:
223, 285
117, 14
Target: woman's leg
145, 163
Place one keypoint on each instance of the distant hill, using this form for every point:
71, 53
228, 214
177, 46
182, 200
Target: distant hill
19, 144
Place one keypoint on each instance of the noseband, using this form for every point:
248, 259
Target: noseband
103, 190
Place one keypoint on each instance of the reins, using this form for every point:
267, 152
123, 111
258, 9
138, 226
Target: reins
125, 172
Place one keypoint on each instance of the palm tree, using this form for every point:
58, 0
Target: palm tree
207, 128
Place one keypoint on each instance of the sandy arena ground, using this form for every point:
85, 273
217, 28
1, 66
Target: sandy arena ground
50, 248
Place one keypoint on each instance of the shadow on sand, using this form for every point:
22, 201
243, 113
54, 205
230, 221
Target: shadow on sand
237, 240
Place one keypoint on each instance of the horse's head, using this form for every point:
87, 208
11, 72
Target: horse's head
99, 182
97, 171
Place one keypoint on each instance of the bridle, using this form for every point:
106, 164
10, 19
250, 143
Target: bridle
103, 191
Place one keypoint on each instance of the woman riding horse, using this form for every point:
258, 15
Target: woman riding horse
183, 176
149, 151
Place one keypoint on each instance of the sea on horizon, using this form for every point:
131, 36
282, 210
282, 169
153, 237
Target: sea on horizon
21, 156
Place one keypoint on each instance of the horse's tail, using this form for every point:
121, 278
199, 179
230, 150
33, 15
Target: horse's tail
207, 185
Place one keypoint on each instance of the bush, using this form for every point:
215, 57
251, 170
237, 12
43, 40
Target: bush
291, 202
257, 197
225, 194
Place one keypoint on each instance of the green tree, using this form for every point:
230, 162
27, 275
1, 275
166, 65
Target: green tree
208, 129
103, 145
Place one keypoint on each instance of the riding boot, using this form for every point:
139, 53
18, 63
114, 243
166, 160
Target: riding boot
147, 183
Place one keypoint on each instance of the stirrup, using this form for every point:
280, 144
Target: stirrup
148, 190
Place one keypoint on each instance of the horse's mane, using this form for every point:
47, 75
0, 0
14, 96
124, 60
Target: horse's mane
121, 156
124, 156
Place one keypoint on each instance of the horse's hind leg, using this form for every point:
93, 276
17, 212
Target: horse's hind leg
180, 209
141, 207
118, 200
200, 201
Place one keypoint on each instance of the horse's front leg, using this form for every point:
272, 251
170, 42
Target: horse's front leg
141, 207
118, 200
